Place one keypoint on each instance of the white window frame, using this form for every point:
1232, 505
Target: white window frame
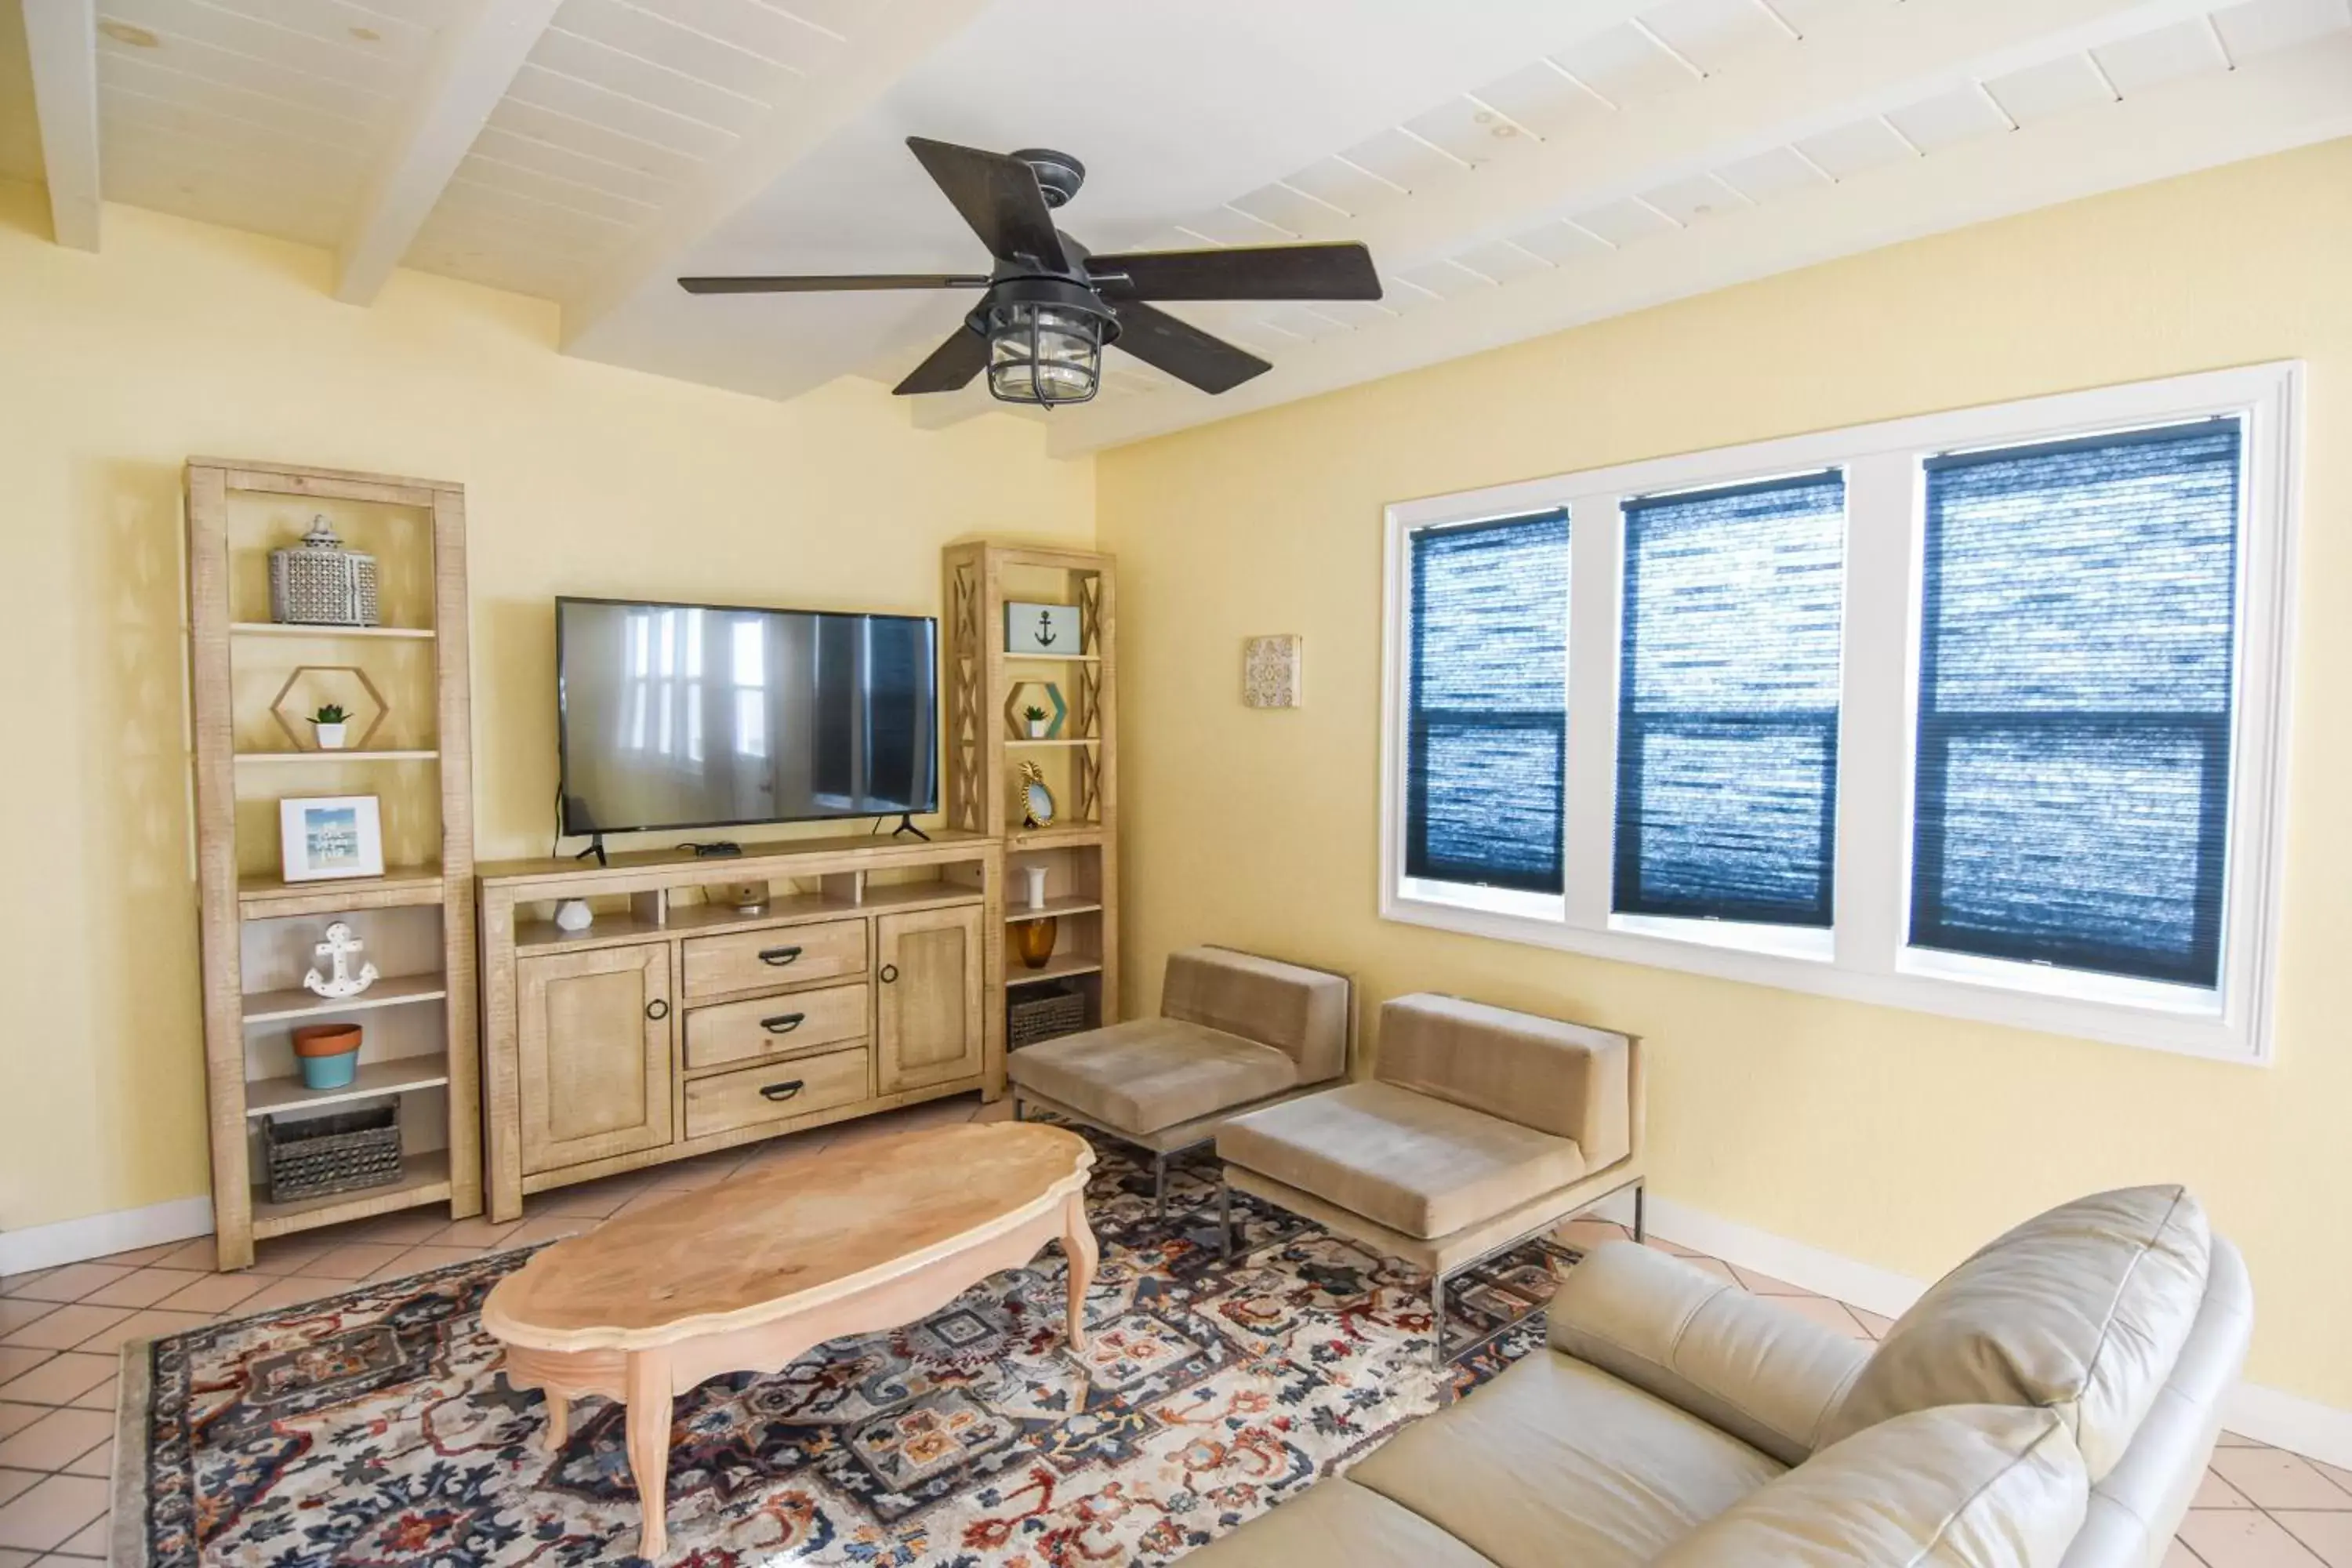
1863, 957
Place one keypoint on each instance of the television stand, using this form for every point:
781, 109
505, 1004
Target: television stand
907, 825
595, 847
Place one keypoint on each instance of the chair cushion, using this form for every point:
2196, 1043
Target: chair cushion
1556, 1464
1963, 1486
1415, 1165
1151, 1073
1337, 1524
1300, 1012
2082, 1311
1562, 1078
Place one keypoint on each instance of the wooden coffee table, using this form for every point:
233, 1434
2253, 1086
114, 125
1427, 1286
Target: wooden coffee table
748, 1274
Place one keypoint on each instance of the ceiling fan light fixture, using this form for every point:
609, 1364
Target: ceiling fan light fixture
1043, 353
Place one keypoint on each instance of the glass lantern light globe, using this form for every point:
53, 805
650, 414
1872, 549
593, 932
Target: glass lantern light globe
1044, 353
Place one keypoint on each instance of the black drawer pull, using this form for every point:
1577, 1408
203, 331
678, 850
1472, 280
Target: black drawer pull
783, 1090
889, 974
779, 956
658, 1008
783, 1023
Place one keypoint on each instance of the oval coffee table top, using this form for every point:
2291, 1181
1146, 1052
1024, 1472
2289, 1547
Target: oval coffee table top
785, 1238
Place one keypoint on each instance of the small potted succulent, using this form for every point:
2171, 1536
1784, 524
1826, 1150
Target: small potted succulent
328, 722
1034, 717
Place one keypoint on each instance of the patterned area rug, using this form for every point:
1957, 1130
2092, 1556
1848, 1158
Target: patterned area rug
376, 1427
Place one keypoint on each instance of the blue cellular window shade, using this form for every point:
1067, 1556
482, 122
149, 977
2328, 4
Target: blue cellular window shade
1487, 731
1727, 712
2075, 703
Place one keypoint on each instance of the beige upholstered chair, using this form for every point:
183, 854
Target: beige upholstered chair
1235, 1032
1480, 1129
2051, 1403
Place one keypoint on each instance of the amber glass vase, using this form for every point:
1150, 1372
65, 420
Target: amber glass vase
1034, 941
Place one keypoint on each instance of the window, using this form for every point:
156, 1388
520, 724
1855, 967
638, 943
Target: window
2075, 695
1728, 720
1979, 713
1488, 720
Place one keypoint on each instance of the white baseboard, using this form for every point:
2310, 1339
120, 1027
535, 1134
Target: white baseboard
2266, 1415
103, 1235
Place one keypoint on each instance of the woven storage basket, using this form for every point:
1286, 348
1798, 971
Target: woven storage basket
345, 1153
1043, 1017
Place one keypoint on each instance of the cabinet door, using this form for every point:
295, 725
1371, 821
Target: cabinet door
928, 965
593, 1036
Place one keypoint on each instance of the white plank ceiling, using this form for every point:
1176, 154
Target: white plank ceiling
1516, 165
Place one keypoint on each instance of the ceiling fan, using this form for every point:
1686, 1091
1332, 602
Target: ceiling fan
1050, 307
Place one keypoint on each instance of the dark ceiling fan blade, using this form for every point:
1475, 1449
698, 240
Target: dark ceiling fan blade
822, 284
999, 196
1342, 271
1182, 349
951, 365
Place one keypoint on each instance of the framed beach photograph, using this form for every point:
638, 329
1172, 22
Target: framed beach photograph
325, 837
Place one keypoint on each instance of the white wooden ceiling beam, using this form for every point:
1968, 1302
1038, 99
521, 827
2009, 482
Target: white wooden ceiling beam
2289, 98
886, 48
474, 62
61, 37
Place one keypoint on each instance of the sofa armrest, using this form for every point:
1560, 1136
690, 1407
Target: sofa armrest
1739, 1362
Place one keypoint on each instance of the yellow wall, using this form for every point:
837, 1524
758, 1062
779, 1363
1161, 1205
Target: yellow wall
180, 339
1894, 1137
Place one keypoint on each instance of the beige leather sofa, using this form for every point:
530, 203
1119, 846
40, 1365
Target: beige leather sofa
2051, 1403
1235, 1032
1480, 1129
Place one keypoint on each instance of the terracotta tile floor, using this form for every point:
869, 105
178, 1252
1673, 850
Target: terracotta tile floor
2259, 1508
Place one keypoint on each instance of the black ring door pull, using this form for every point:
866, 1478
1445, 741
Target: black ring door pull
890, 973
658, 1008
783, 1023
783, 1090
778, 956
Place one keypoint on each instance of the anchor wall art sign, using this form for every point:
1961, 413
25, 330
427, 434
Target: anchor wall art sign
1051, 629
337, 951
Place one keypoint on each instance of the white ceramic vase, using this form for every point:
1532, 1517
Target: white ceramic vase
574, 914
330, 736
1036, 875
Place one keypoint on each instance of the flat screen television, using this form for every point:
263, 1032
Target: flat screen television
676, 716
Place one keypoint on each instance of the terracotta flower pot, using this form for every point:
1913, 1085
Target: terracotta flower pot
329, 1053
1034, 940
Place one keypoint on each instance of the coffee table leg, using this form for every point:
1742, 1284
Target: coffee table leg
648, 1433
559, 1419
1078, 1243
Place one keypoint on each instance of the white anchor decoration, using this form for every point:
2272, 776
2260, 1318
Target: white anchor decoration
340, 948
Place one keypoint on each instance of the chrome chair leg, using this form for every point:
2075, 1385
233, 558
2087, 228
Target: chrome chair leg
1437, 1319
1641, 1215
1224, 1218
1159, 1189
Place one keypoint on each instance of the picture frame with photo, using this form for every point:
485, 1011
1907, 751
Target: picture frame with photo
323, 837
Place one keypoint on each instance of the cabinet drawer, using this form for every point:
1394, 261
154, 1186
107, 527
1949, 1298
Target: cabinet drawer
778, 1091
774, 1025
718, 965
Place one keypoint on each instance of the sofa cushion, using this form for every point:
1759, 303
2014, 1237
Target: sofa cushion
1151, 1073
1566, 1079
1337, 1524
2083, 1309
1556, 1464
1415, 1165
1962, 1486
1746, 1363
1300, 1012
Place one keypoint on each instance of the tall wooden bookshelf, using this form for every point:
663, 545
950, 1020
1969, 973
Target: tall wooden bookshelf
417, 919
986, 749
